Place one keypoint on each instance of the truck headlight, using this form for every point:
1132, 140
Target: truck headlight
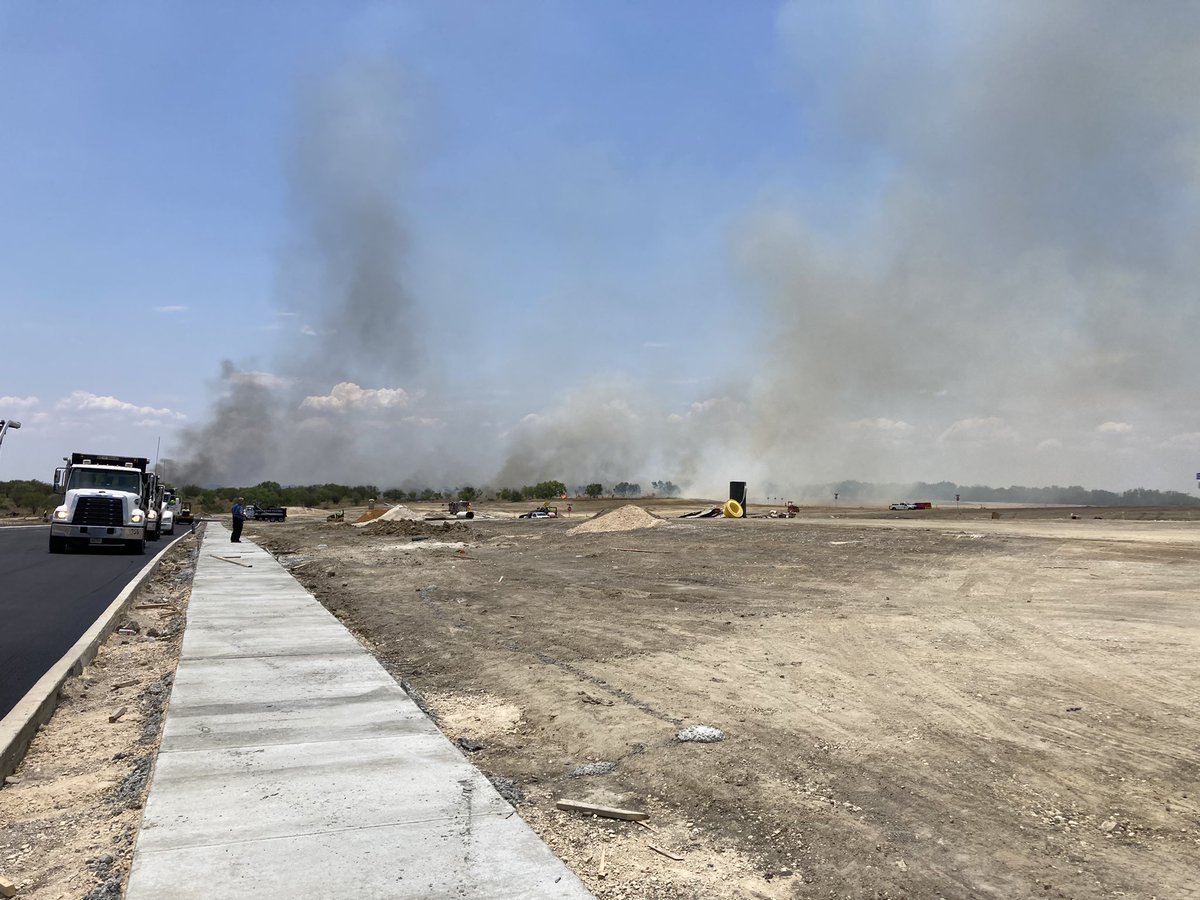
61, 514
136, 518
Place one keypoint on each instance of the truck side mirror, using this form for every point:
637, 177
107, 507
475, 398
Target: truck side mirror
60, 477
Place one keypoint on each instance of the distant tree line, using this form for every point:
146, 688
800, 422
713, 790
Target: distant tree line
1074, 495
38, 497
328, 496
628, 489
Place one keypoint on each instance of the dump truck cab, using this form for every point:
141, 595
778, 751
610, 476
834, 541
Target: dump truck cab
102, 502
168, 511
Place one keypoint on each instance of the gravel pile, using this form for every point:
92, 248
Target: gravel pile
627, 518
701, 734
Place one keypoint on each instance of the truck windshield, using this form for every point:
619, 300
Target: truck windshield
127, 480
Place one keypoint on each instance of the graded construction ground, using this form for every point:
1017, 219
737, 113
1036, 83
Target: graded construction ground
921, 705
916, 704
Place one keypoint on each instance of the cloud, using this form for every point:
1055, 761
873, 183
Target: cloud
347, 395
1049, 444
85, 401
170, 309
1115, 428
309, 331
18, 402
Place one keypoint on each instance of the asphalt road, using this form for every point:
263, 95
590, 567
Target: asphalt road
48, 601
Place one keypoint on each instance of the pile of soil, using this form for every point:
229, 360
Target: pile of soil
369, 516
384, 526
627, 518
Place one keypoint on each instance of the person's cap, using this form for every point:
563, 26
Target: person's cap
240, 499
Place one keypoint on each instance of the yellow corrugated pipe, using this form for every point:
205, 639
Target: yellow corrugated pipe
732, 509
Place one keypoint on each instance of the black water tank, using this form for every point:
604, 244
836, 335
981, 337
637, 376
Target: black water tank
737, 491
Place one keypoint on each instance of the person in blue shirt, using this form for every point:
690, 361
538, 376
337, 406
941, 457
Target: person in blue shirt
239, 516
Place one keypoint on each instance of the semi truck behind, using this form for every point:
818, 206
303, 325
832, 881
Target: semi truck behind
102, 503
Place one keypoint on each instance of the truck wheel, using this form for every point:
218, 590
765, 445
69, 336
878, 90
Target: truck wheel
58, 545
136, 548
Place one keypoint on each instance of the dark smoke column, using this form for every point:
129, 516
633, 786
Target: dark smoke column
346, 171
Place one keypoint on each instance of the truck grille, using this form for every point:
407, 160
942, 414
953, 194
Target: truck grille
98, 511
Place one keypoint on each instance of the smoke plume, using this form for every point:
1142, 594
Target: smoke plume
1003, 293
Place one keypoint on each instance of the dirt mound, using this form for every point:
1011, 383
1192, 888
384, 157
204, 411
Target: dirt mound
398, 513
627, 518
369, 516
410, 527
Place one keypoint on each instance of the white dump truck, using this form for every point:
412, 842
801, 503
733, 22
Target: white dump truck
103, 502
168, 511
151, 502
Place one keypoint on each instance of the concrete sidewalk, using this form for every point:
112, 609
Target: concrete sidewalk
293, 765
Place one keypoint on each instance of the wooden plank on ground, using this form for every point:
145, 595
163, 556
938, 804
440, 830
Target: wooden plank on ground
608, 812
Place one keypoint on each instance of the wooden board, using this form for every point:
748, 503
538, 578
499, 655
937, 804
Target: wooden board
629, 815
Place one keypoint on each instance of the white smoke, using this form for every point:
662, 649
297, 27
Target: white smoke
1007, 293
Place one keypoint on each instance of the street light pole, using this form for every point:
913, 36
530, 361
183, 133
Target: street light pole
5, 425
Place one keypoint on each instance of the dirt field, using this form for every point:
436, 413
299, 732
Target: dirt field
915, 705
933, 704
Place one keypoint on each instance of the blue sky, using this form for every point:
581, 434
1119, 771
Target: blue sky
601, 241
